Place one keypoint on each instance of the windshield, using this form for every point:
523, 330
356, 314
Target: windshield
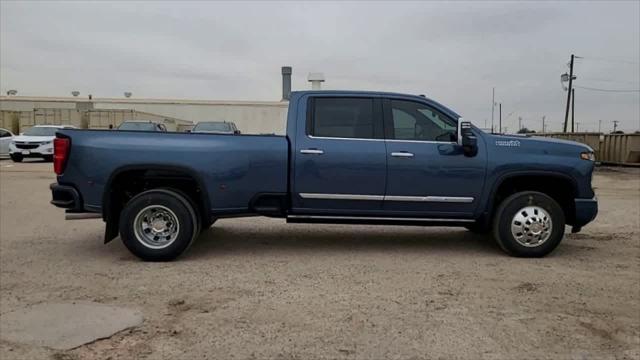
41, 131
137, 126
213, 126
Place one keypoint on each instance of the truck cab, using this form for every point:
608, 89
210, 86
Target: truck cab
347, 157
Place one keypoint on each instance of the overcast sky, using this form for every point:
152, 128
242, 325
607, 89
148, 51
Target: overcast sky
454, 52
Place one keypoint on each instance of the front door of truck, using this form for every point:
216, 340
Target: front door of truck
339, 156
427, 173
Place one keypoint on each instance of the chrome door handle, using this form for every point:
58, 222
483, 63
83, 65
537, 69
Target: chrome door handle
312, 151
402, 154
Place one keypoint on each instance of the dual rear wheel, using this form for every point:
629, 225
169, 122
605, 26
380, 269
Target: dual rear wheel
159, 224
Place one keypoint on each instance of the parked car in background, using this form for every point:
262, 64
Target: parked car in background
137, 125
37, 141
5, 139
347, 157
216, 127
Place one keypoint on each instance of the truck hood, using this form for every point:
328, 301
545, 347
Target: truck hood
538, 141
25, 138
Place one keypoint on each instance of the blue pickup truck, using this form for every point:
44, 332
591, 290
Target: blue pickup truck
347, 157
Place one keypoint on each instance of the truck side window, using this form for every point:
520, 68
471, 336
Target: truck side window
417, 121
343, 118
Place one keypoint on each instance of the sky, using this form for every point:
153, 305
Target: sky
454, 52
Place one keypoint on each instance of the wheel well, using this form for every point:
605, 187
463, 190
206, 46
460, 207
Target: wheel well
558, 188
127, 184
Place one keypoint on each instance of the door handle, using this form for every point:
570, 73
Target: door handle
312, 151
403, 154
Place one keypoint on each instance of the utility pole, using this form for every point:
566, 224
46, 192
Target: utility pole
577, 127
500, 131
599, 126
519, 123
493, 106
543, 128
573, 108
566, 113
615, 125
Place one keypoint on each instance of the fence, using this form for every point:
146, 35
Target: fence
622, 149
102, 119
20, 121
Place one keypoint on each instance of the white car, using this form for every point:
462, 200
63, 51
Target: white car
5, 139
35, 142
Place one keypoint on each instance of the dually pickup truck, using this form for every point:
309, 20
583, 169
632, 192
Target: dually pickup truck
347, 157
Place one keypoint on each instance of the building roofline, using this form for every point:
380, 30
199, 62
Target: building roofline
143, 101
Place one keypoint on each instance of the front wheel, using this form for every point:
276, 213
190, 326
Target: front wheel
158, 225
48, 158
529, 224
16, 157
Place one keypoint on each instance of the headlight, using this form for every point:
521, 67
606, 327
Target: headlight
588, 155
46, 143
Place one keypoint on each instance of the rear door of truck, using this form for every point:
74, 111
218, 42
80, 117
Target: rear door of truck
339, 155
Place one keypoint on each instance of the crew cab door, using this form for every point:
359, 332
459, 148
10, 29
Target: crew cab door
427, 173
339, 156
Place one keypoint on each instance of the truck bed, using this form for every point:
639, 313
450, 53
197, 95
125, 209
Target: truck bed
234, 168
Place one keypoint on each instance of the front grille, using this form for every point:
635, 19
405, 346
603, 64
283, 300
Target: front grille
27, 146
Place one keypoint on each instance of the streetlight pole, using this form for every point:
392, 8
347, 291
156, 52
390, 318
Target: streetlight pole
566, 113
493, 106
573, 107
500, 131
543, 129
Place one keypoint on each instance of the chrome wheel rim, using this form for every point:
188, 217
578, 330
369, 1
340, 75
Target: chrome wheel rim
156, 227
531, 226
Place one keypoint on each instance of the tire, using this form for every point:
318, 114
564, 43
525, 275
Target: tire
16, 157
521, 211
177, 222
48, 158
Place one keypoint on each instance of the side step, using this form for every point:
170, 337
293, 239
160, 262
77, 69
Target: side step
369, 220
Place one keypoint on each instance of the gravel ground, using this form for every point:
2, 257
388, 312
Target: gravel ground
259, 288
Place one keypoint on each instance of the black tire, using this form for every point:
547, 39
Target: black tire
506, 213
185, 218
16, 157
188, 199
48, 158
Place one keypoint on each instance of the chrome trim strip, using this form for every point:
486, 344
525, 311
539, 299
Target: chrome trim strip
447, 199
340, 138
374, 218
402, 154
312, 151
422, 141
341, 196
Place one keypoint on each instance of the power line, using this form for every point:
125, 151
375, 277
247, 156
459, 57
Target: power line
608, 90
610, 81
620, 61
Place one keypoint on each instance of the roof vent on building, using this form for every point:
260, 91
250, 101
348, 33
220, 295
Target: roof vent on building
286, 82
316, 80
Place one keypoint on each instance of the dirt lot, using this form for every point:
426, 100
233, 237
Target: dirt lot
259, 288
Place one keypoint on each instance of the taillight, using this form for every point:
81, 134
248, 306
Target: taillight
60, 154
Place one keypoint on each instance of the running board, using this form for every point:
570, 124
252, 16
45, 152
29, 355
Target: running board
82, 216
369, 220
